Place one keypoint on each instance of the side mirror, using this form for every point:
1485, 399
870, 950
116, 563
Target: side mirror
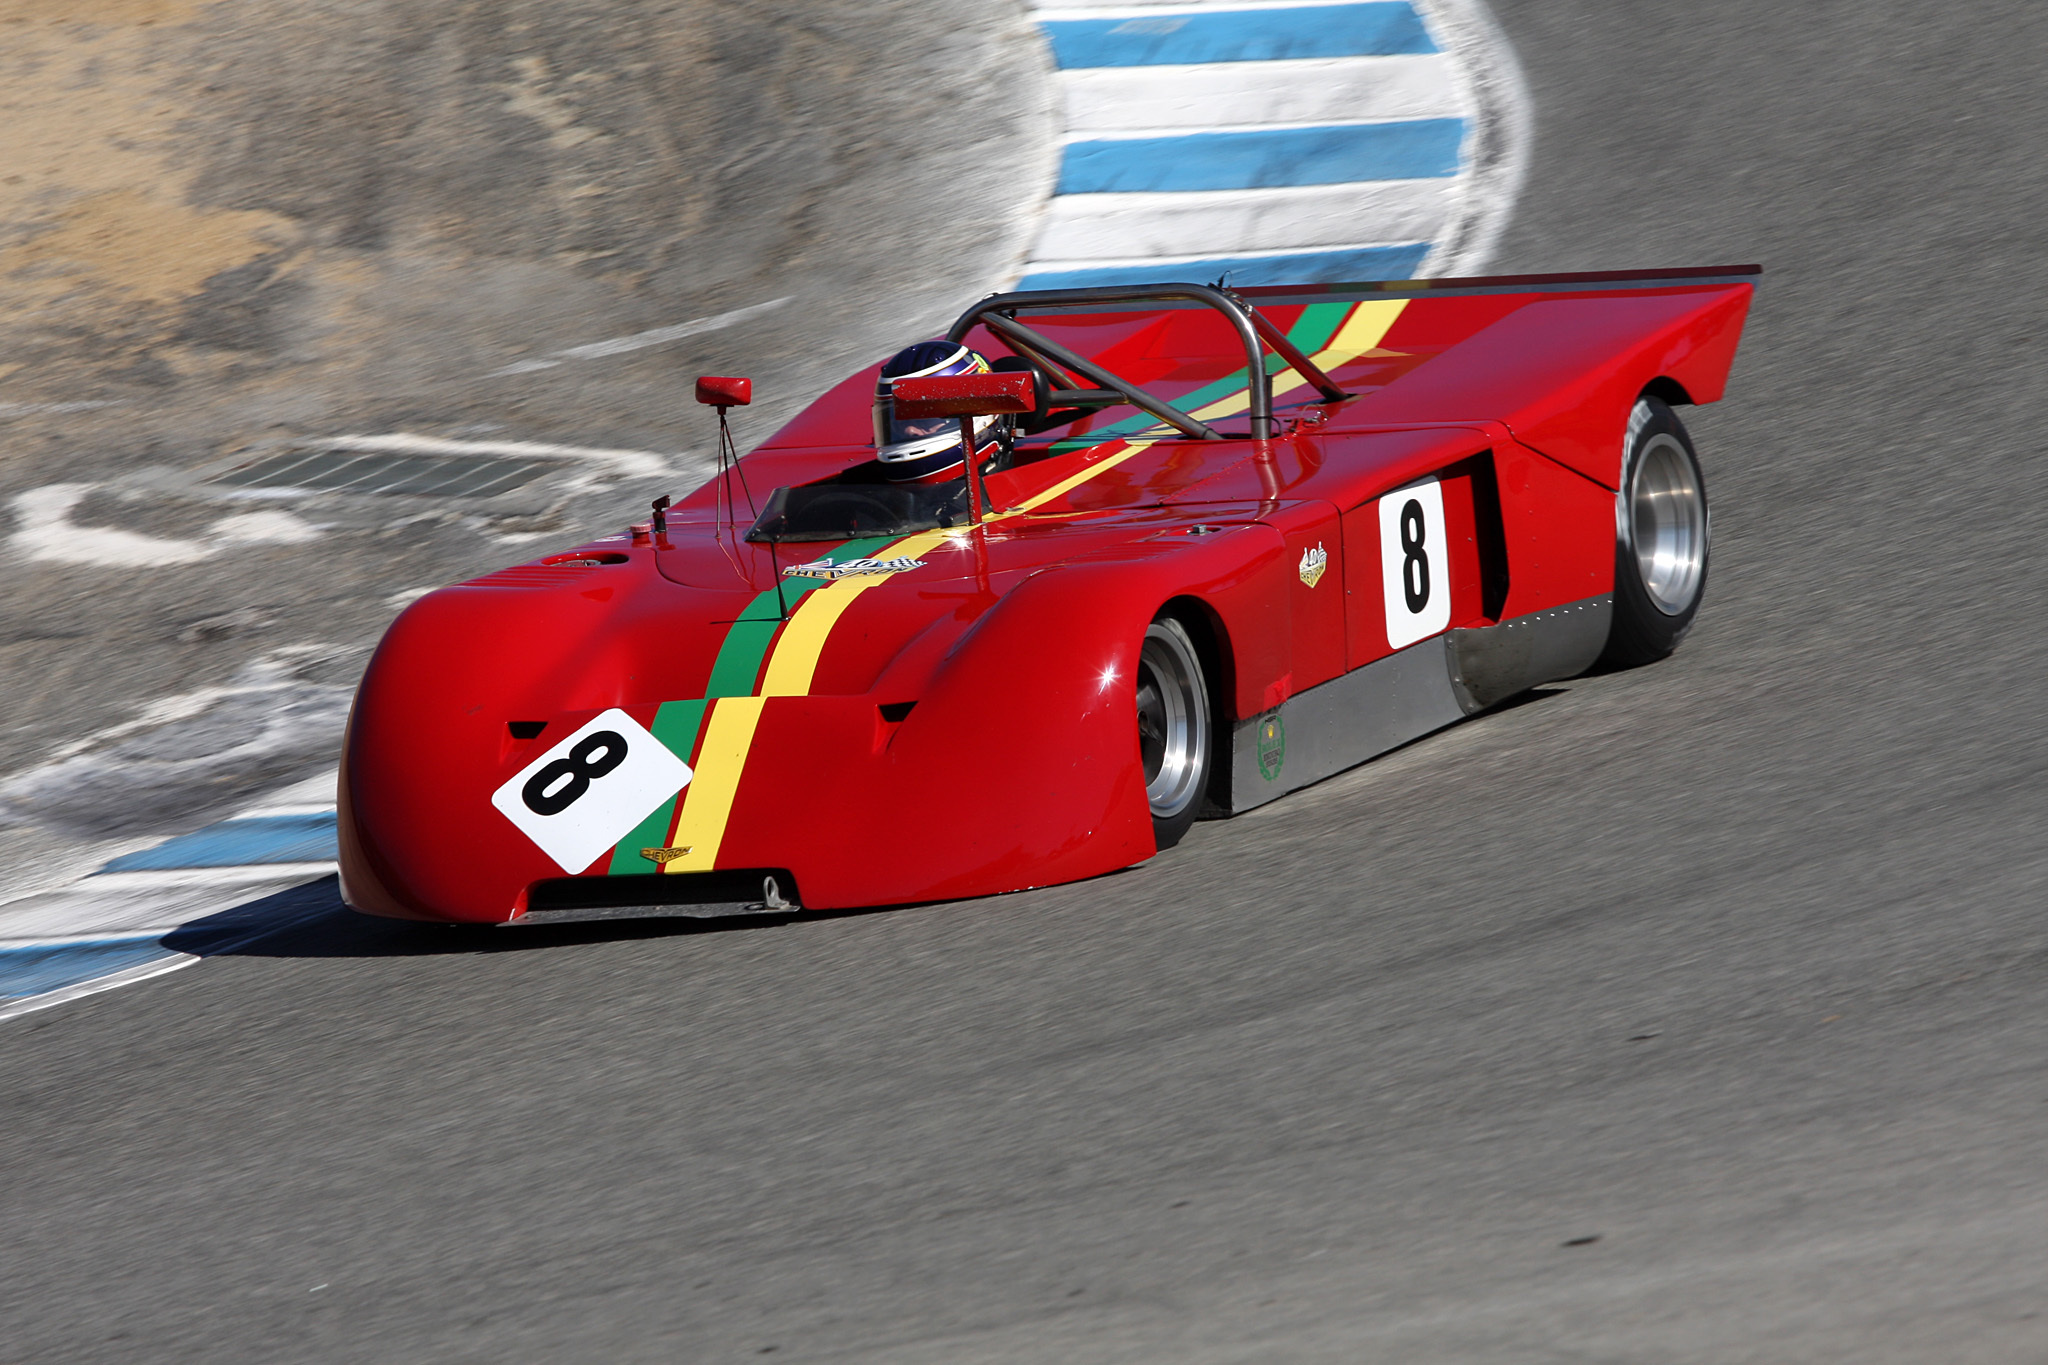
1041, 385
724, 391
964, 395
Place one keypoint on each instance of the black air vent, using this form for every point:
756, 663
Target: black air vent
526, 729
737, 887
530, 576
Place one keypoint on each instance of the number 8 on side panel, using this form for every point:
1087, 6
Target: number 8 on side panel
1414, 570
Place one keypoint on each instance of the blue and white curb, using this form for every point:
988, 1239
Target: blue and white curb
127, 922
1278, 140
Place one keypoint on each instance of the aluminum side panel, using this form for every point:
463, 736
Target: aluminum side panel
1341, 724
1406, 695
1493, 663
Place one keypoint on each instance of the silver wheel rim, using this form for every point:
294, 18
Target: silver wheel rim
1173, 719
1668, 525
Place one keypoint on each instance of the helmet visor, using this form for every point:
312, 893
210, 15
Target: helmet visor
898, 439
902, 431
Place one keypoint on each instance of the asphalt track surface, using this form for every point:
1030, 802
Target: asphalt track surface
1736, 963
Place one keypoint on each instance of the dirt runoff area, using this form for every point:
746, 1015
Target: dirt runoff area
226, 228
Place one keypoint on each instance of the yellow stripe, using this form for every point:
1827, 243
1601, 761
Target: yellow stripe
1367, 326
1065, 486
707, 801
706, 806
796, 653
1363, 331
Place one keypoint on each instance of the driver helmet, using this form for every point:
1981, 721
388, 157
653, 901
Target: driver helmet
927, 449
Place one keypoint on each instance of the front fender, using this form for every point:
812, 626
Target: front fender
1019, 764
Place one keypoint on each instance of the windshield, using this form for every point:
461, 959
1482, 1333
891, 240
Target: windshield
846, 511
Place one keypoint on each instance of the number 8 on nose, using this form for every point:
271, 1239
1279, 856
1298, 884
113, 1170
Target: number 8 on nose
582, 796
1414, 570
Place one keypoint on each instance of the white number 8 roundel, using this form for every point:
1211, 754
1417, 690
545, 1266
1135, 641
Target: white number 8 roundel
582, 796
1414, 570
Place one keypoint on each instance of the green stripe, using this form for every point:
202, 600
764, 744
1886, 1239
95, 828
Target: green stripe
738, 666
676, 725
1316, 325
737, 669
735, 673
1311, 332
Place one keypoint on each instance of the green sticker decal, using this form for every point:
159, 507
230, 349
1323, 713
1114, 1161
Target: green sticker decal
1272, 745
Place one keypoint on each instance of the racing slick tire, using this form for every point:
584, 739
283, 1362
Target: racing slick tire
1176, 740
1661, 533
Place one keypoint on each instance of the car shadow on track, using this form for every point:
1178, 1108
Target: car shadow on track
1528, 698
311, 921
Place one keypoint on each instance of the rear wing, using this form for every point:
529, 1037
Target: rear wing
1241, 309
1571, 282
1536, 352
1563, 370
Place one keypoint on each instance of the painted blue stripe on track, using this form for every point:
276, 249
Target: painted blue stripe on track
1412, 149
1383, 28
1354, 263
52, 967
308, 838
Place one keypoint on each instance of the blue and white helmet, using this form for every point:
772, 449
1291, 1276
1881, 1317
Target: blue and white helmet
927, 450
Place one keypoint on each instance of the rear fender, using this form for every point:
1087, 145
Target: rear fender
1564, 373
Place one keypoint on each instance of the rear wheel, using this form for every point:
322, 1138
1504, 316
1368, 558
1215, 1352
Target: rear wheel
1174, 737
1660, 534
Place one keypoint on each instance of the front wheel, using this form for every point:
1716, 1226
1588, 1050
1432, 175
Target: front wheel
1174, 735
1660, 539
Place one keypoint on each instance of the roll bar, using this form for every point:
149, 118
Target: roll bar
998, 313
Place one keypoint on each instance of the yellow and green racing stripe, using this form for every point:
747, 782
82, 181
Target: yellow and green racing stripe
694, 821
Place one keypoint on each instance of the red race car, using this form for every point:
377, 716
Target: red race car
1209, 547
